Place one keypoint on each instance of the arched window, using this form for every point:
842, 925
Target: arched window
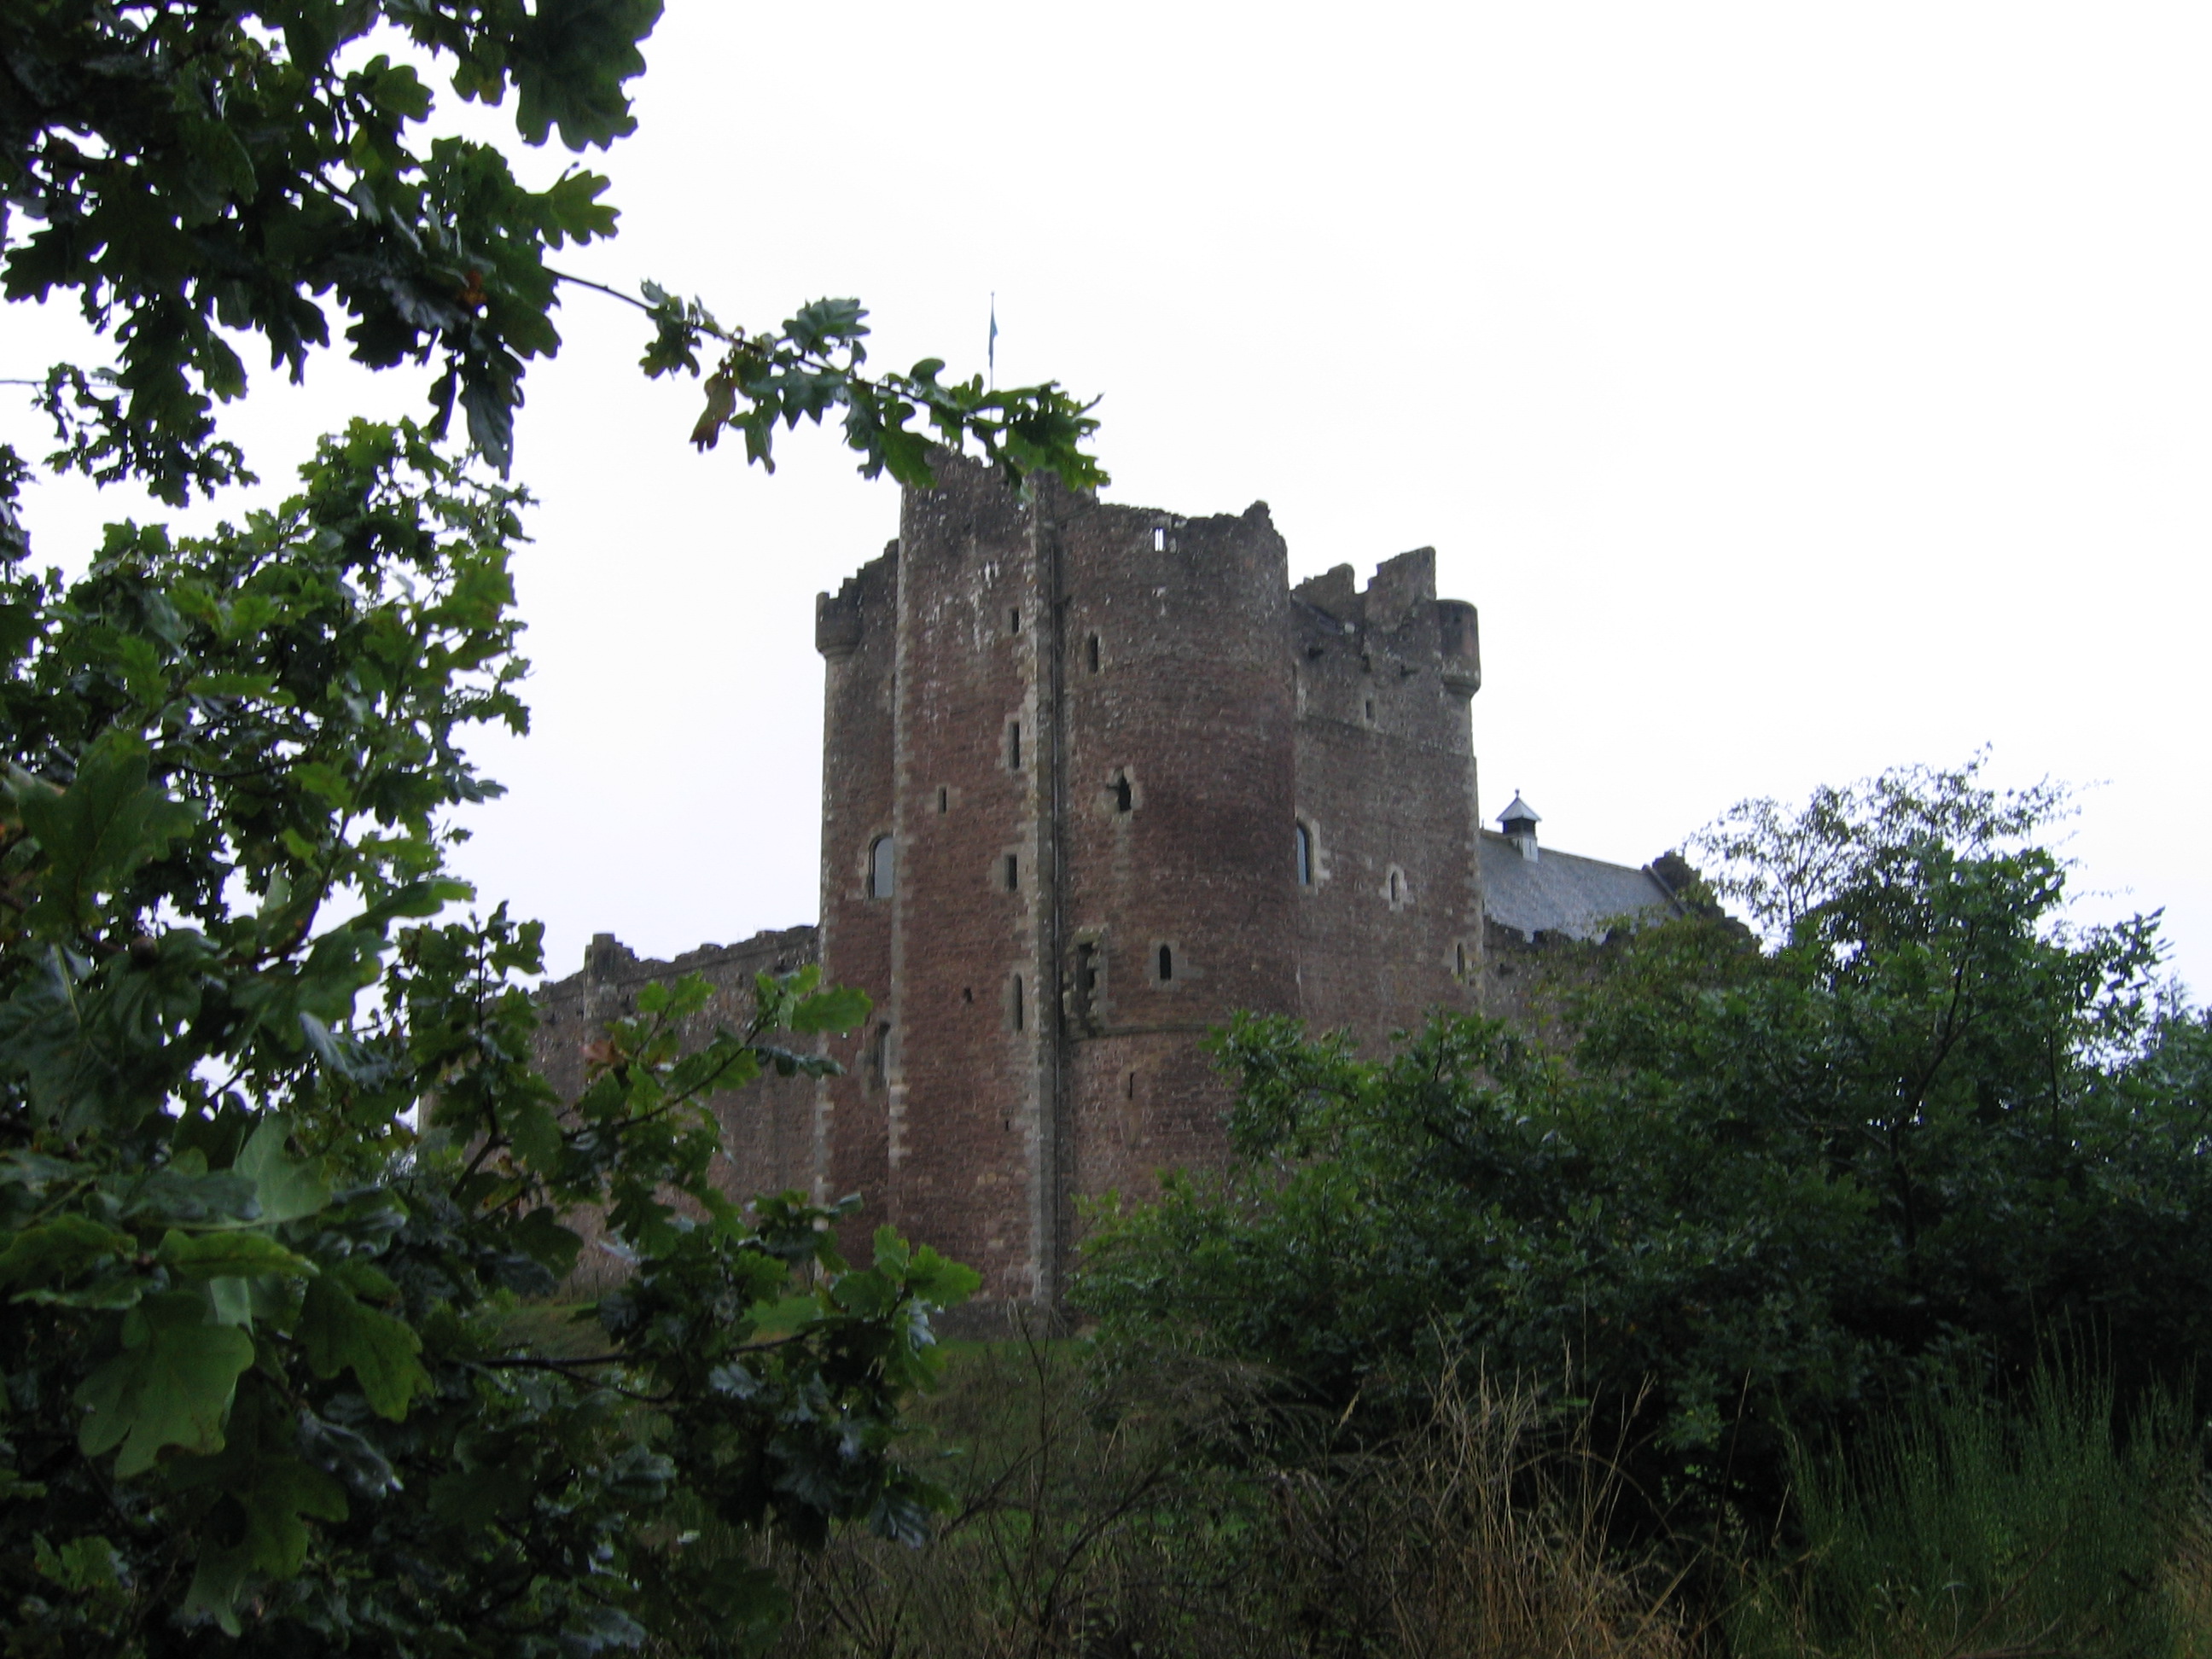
1167, 964
1397, 888
1124, 798
880, 862
1305, 856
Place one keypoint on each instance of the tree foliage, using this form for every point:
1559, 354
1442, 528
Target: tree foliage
276, 1171
195, 171
274, 1165
1766, 1190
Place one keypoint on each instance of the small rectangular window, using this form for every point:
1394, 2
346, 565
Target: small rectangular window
1159, 539
1014, 620
1013, 873
1094, 654
1014, 745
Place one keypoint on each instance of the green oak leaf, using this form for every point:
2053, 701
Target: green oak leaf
228, 1256
95, 832
838, 1008
61, 1249
285, 1188
341, 1332
171, 1385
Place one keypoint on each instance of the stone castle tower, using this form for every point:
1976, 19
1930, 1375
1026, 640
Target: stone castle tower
1094, 778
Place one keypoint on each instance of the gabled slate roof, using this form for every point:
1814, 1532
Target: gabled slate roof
1564, 893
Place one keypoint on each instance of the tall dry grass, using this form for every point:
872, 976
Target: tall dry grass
1171, 1510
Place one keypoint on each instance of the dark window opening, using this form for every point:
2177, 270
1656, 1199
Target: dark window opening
1397, 887
879, 1062
1013, 873
1370, 708
1017, 1002
966, 993
1014, 620
1123, 797
881, 872
1167, 964
1093, 648
1305, 856
1131, 1087
1087, 969
1014, 745
944, 799
1459, 953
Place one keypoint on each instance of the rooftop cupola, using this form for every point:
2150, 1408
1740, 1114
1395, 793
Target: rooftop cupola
1519, 823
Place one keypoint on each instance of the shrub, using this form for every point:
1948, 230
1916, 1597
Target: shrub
1970, 1524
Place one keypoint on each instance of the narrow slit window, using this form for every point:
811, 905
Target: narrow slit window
1123, 797
1013, 873
1014, 620
1397, 887
1129, 1089
944, 799
1305, 856
1459, 956
880, 1060
1020, 1013
1014, 745
881, 867
1167, 964
1370, 710
1159, 539
1092, 648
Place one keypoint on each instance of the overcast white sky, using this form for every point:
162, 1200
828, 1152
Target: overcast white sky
1797, 391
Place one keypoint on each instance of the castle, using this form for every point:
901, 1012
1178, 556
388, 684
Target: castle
1095, 777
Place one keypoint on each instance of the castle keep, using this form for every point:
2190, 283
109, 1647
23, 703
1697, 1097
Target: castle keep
1094, 778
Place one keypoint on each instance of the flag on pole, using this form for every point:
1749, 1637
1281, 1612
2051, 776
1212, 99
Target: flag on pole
991, 349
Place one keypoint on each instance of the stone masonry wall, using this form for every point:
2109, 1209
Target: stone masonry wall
969, 1145
1390, 920
768, 1127
1176, 876
857, 634
1069, 750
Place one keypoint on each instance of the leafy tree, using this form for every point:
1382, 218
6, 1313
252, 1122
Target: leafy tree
1768, 1189
195, 171
274, 1165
